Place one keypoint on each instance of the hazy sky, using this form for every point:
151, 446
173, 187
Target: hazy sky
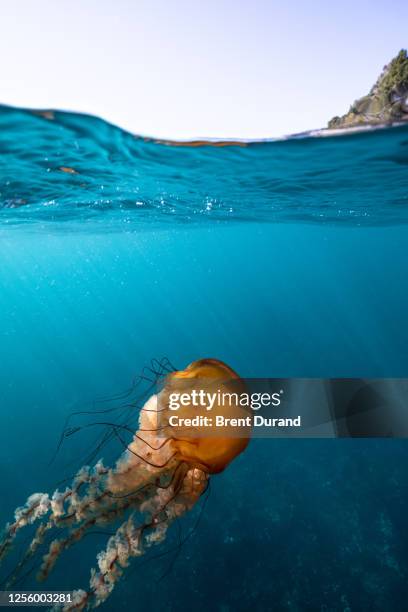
175, 68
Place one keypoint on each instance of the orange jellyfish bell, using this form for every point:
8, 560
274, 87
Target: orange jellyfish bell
160, 476
212, 453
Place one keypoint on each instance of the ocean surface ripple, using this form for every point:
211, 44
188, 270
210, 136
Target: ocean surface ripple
74, 171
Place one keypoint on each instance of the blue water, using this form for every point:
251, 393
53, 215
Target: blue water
64, 167
285, 258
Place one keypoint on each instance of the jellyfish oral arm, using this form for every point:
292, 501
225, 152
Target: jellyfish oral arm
149, 480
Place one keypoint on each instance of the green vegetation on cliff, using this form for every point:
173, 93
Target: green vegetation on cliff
387, 101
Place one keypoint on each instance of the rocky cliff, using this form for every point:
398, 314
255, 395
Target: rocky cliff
387, 102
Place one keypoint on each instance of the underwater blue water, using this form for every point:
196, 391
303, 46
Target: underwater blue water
285, 258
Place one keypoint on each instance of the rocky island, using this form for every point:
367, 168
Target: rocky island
387, 102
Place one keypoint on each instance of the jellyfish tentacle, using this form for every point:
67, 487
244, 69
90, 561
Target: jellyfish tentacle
61, 509
36, 506
57, 546
175, 501
131, 540
35, 543
83, 512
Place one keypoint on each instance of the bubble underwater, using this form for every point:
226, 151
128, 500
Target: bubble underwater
281, 258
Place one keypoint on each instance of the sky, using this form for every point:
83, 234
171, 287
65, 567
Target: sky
198, 68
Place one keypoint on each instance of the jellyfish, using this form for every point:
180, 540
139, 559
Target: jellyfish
158, 478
